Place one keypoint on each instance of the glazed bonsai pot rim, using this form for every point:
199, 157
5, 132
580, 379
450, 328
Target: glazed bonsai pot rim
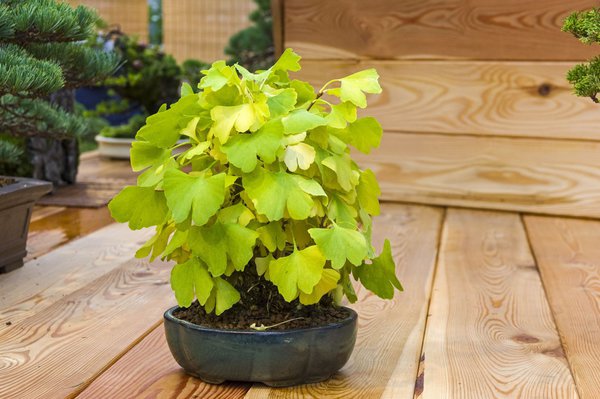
275, 358
350, 319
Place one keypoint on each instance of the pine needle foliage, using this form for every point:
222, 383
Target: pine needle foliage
42, 51
585, 78
253, 47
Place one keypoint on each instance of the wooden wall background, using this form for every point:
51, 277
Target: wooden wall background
130, 15
475, 105
201, 28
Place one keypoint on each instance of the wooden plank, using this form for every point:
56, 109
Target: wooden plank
48, 231
40, 212
277, 15
57, 352
41, 283
490, 332
478, 29
529, 175
386, 356
480, 98
568, 257
151, 372
96, 169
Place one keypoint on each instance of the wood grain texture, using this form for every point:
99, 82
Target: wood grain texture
49, 230
56, 352
478, 29
535, 176
568, 257
479, 98
490, 333
94, 168
386, 356
40, 283
277, 14
40, 212
148, 371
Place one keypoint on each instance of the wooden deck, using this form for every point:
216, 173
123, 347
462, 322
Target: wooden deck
497, 304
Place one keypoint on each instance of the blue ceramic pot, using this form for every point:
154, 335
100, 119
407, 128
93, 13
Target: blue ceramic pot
275, 358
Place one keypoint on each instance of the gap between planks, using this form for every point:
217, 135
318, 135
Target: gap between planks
497, 338
567, 253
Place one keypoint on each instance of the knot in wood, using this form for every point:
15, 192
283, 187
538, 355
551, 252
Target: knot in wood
544, 89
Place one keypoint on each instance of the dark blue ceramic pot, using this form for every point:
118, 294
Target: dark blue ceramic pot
275, 358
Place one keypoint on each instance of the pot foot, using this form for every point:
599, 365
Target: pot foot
212, 381
289, 383
12, 266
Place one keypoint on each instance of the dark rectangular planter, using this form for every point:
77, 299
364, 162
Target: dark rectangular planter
16, 203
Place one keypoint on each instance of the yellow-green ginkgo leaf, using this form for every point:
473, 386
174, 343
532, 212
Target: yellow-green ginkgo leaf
226, 295
140, 206
301, 270
342, 166
299, 155
191, 279
368, 192
341, 114
272, 236
145, 154
218, 75
328, 283
339, 244
226, 117
202, 196
288, 61
163, 128
273, 193
354, 86
242, 150
340, 211
222, 241
281, 102
364, 134
380, 276
301, 120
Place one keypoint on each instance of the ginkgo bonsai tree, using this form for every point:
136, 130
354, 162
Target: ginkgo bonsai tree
265, 192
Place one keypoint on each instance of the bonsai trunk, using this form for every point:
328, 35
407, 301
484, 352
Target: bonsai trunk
56, 160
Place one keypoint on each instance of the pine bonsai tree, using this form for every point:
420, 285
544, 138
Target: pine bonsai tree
585, 78
43, 57
253, 47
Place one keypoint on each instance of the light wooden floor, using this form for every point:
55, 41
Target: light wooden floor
496, 305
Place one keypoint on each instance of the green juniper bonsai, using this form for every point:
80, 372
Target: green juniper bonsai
43, 56
253, 46
585, 78
264, 193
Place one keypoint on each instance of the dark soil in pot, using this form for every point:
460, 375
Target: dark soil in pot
240, 318
261, 304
